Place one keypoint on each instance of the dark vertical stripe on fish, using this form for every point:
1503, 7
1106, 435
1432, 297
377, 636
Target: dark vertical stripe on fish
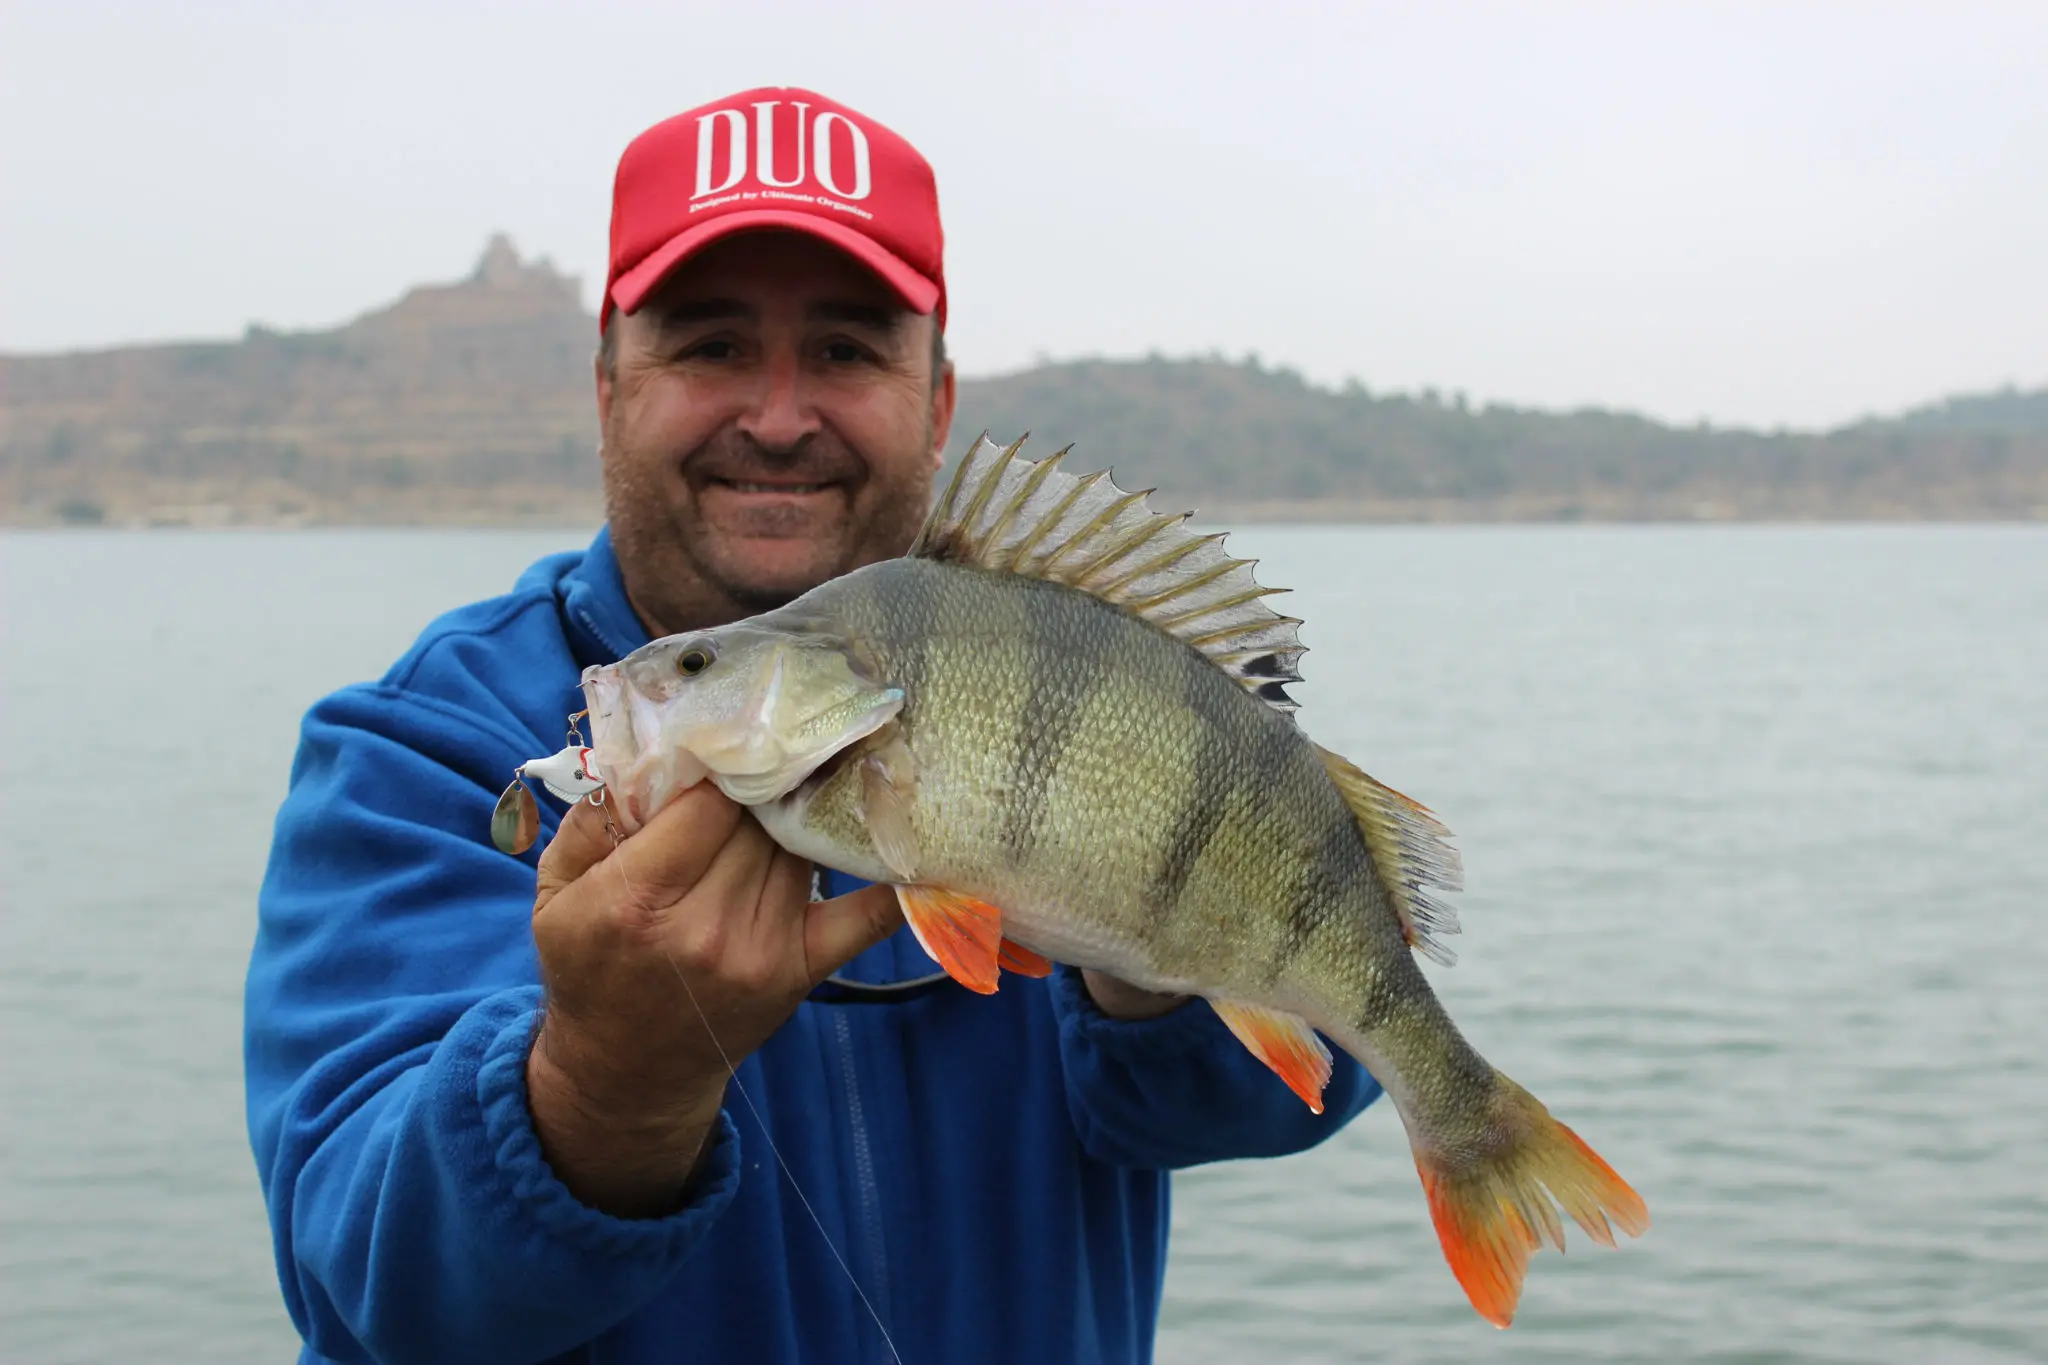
1204, 804
916, 600
1396, 994
1326, 882
1055, 702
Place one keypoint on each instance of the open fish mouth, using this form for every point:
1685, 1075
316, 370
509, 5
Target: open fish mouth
640, 775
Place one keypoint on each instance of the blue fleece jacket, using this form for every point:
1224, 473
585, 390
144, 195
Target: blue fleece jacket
992, 1168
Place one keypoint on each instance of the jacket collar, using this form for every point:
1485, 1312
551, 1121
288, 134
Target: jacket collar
603, 627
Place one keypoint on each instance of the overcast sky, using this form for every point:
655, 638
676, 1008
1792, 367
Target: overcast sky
1768, 213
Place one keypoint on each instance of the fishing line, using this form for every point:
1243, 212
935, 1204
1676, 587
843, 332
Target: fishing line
733, 1072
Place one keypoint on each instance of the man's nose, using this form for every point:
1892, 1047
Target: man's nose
781, 415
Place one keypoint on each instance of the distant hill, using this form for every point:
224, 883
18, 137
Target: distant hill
1261, 443
2015, 412
471, 402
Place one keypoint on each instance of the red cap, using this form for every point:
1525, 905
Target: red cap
775, 158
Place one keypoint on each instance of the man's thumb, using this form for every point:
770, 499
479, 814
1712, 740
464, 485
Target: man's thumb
837, 931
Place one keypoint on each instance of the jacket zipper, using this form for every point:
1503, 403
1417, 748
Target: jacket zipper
872, 1256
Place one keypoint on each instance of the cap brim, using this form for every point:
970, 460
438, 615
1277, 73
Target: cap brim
631, 289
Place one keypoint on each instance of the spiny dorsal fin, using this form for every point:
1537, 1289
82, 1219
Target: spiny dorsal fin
1033, 518
1410, 852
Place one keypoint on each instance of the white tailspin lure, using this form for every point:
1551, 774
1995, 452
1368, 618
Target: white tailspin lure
515, 824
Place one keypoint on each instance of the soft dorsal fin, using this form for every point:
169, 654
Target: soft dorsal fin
1033, 518
1409, 850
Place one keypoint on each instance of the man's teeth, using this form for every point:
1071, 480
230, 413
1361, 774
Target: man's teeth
775, 487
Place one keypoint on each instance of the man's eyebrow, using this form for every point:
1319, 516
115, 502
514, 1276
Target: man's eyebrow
875, 315
685, 312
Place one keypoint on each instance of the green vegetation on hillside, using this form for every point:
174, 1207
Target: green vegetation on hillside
1252, 439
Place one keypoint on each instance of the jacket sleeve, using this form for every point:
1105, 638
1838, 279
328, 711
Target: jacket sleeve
389, 1007
1180, 1090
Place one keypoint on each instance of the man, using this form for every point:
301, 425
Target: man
490, 1119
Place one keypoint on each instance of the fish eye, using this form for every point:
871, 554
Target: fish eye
693, 661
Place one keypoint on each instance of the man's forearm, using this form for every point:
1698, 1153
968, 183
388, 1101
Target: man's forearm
1178, 1089
615, 1147
1121, 1000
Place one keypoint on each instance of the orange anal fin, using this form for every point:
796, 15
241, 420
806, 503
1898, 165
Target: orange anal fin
1491, 1217
1283, 1042
962, 934
1015, 957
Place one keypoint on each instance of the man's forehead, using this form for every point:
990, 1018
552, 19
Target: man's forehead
755, 273
687, 308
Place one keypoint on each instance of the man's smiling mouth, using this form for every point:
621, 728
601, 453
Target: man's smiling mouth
746, 486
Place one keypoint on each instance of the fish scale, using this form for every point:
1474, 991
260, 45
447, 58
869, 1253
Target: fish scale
1060, 728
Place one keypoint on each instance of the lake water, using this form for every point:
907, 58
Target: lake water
1756, 829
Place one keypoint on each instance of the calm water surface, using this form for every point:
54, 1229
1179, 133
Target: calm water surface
1756, 830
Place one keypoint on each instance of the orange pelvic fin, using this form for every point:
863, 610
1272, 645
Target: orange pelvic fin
1490, 1214
1015, 957
1284, 1042
962, 934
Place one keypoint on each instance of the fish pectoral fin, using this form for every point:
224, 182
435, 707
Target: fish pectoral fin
962, 934
1283, 1042
1015, 957
888, 784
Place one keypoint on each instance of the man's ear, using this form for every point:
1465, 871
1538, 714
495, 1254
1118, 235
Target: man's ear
606, 370
943, 396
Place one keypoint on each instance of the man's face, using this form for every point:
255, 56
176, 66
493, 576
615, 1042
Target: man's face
771, 420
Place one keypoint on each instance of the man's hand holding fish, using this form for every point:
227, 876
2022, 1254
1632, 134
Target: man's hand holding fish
624, 1087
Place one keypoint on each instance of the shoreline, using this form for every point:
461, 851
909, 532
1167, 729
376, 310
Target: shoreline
574, 518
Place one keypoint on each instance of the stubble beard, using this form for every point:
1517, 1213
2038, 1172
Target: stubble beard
676, 575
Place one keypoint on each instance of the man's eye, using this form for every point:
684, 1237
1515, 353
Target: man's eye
713, 350
843, 352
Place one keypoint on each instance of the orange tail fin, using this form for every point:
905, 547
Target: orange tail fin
1491, 1213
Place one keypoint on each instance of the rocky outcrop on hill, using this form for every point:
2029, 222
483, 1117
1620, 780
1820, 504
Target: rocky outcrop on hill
468, 401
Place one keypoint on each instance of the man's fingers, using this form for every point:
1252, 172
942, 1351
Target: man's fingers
841, 929
673, 851
738, 869
663, 859
704, 843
